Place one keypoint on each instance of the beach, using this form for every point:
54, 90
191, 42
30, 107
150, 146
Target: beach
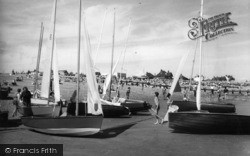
130, 135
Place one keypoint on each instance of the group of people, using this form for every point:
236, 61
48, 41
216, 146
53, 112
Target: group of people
23, 97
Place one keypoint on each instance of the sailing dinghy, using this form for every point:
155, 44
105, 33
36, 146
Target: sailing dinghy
78, 125
206, 122
111, 108
41, 105
133, 106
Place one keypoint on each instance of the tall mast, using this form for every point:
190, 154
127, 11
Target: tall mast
112, 57
100, 38
192, 71
78, 58
38, 57
125, 48
52, 37
198, 97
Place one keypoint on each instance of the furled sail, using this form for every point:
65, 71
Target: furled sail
56, 76
49, 55
176, 79
108, 78
93, 99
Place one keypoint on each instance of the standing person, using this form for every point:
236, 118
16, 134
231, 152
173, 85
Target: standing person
100, 89
219, 93
225, 92
128, 93
18, 95
122, 84
195, 89
164, 92
185, 96
157, 107
118, 91
26, 97
212, 90
16, 102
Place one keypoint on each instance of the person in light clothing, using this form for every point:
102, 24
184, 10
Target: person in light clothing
157, 108
128, 93
16, 102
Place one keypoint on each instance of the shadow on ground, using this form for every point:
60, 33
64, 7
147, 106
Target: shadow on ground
239, 132
11, 123
7, 98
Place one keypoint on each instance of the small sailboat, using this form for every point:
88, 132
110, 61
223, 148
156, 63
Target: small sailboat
41, 105
202, 121
112, 108
134, 106
79, 125
205, 122
215, 107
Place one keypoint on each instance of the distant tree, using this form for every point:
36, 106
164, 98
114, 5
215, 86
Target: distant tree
231, 78
169, 75
223, 78
149, 75
163, 73
66, 73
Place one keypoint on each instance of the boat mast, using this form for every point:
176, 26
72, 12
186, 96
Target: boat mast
192, 71
38, 57
112, 58
52, 37
125, 48
198, 97
78, 59
100, 38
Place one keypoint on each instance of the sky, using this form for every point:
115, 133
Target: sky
157, 39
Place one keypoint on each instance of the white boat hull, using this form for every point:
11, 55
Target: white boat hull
37, 101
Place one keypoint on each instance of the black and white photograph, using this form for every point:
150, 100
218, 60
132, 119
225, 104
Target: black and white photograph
125, 77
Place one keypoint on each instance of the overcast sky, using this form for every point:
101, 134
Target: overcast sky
158, 37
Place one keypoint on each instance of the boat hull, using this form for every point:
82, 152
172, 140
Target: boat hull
108, 110
42, 111
211, 107
115, 111
69, 125
205, 122
37, 101
136, 105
